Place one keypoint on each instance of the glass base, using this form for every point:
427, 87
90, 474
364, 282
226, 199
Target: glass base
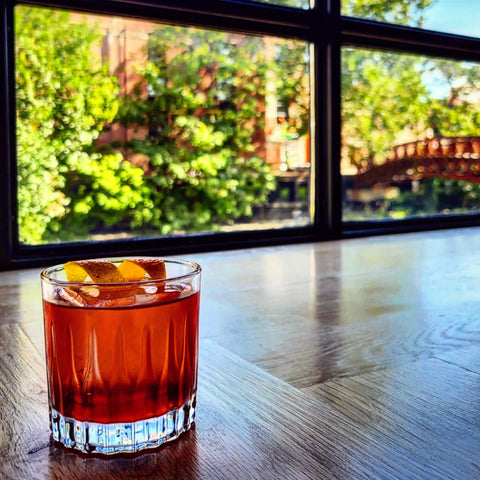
112, 438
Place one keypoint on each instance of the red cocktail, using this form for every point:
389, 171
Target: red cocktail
121, 358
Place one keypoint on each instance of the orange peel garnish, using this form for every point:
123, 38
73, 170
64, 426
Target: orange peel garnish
99, 271
104, 271
135, 269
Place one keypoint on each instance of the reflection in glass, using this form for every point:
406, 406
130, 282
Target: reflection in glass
410, 136
304, 4
127, 128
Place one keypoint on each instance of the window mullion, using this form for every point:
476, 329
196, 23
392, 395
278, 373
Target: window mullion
7, 136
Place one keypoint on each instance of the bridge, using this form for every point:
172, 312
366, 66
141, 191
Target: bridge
455, 158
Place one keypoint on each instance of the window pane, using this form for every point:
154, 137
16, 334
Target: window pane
130, 128
410, 136
459, 16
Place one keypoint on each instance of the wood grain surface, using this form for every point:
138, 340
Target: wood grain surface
356, 359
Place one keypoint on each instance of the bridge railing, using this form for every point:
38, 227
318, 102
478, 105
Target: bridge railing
450, 147
456, 158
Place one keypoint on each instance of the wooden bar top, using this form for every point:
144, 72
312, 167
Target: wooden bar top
354, 359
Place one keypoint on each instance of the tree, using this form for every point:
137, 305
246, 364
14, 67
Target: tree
201, 118
64, 97
383, 94
458, 112
402, 12
292, 90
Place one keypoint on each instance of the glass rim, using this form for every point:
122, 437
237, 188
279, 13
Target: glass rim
196, 269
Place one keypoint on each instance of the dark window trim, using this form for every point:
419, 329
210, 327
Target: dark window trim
7, 169
409, 39
328, 32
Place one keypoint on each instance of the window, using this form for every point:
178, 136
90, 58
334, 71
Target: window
145, 129
410, 144
151, 128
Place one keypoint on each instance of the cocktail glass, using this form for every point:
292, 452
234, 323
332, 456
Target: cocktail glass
121, 358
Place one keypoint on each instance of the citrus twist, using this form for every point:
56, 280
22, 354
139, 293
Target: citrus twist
104, 271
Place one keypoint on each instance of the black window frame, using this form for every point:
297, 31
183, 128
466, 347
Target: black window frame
325, 29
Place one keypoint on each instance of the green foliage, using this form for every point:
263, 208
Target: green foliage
40, 198
438, 195
403, 12
63, 97
105, 191
205, 106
